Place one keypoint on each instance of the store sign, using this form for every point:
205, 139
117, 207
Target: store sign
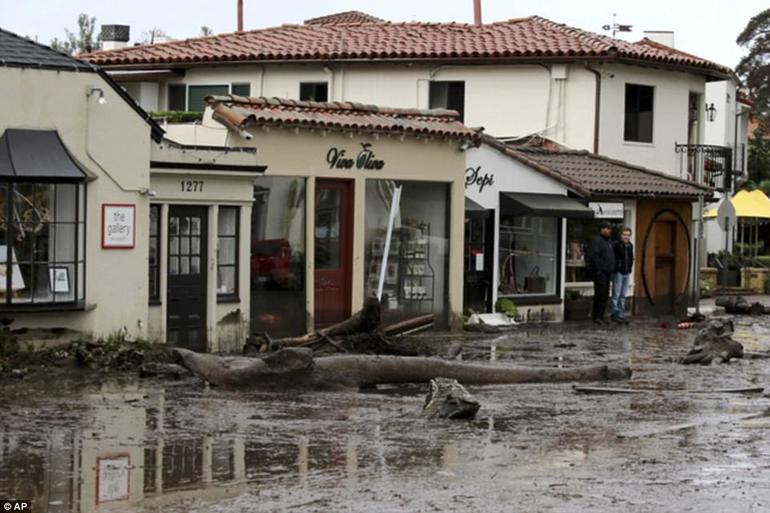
118, 222
365, 159
607, 210
473, 177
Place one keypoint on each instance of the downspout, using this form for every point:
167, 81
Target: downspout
597, 104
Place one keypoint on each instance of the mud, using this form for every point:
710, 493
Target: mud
65, 438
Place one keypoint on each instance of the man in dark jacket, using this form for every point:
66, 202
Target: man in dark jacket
624, 265
601, 265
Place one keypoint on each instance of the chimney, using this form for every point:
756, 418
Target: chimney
240, 15
664, 37
477, 12
114, 36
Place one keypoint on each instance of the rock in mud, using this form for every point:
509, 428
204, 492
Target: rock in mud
714, 344
739, 305
448, 399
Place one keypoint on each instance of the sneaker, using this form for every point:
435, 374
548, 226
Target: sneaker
616, 319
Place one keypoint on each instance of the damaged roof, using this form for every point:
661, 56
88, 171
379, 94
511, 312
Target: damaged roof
603, 176
348, 36
240, 112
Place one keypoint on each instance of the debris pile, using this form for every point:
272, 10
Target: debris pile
714, 344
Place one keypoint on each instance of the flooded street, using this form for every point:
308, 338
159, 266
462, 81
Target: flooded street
82, 443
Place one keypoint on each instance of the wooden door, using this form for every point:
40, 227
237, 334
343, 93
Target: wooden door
665, 265
333, 250
186, 296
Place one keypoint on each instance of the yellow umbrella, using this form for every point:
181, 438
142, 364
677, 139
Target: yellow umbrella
748, 204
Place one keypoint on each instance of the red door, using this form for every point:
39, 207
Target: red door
333, 248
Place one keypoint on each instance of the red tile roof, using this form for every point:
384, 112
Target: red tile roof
525, 39
238, 113
603, 176
344, 17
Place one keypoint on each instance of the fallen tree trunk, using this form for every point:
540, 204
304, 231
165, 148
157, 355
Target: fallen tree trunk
297, 367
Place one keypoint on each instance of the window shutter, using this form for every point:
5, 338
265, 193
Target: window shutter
198, 93
177, 97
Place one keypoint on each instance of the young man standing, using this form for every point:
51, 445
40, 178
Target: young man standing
601, 266
624, 265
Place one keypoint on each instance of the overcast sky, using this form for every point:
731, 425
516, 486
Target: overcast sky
707, 28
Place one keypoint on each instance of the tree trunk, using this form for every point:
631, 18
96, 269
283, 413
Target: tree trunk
297, 367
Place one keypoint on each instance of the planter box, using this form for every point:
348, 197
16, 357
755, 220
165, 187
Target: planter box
729, 278
578, 309
753, 279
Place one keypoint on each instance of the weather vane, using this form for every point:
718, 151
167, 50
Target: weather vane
617, 27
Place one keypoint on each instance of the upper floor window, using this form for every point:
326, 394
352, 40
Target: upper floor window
184, 97
448, 95
314, 92
639, 107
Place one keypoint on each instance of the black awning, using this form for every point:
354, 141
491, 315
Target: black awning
553, 205
37, 155
474, 209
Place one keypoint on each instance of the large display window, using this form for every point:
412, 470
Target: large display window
415, 265
580, 233
278, 256
528, 255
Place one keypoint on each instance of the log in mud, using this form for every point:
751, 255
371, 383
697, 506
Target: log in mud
298, 368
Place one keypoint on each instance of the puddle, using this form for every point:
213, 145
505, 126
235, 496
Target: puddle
82, 444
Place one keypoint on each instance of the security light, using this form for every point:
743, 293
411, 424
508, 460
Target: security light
94, 90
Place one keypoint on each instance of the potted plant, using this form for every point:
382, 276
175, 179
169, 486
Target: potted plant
576, 306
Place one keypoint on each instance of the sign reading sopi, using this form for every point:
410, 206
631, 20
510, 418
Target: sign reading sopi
607, 210
118, 223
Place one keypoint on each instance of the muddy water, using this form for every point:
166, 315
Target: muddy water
82, 443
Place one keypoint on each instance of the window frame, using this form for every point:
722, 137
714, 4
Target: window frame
154, 296
187, 86
79, 259
639, 139
230, 297
433, 85
315, 85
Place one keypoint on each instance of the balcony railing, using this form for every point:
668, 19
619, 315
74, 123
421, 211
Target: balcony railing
707, 164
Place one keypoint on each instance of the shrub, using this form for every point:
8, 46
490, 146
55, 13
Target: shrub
177, 116
506, 306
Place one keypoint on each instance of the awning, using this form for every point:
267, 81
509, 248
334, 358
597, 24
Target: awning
473, 209
748, 204
553, 205
37, 155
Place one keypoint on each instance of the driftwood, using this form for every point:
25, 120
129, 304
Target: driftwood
297, 367
714, 343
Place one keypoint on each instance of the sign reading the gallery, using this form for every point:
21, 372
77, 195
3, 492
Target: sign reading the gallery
365, 159
474, 177
606, 210
118, 222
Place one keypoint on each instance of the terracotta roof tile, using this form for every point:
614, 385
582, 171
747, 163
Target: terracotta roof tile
344, 17
239, 112
603, 176
520, 39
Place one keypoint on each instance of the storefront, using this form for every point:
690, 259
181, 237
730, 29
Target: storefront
525, 229
357, 201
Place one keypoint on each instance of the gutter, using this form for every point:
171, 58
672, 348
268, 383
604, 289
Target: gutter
597, 103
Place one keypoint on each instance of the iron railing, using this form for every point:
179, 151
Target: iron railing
707, 164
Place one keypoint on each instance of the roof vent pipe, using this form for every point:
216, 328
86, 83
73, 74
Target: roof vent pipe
240, 15
477, 12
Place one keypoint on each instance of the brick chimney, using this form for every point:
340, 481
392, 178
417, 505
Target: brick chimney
115, 36
477, 12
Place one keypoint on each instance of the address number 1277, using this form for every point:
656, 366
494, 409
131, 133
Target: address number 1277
192, 185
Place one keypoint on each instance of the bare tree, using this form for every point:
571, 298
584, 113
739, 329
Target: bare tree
206, 31
81, 41
153, 35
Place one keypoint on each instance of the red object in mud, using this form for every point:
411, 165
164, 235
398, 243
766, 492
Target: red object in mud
685, 325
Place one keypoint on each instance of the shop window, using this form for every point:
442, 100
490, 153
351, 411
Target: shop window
528, 255
415, 278
241, 89
580, 233
448, 95
639, 107
43, 225
177, 97
278, 256
314, 91
227, 252
154, 260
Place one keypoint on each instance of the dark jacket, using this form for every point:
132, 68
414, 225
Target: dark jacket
601, 257
624, 257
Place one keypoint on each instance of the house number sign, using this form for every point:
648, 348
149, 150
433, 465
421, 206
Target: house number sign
192, 185
118, 222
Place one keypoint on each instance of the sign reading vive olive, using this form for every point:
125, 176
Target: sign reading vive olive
366, 159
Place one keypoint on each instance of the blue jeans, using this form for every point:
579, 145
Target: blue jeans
619, 288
